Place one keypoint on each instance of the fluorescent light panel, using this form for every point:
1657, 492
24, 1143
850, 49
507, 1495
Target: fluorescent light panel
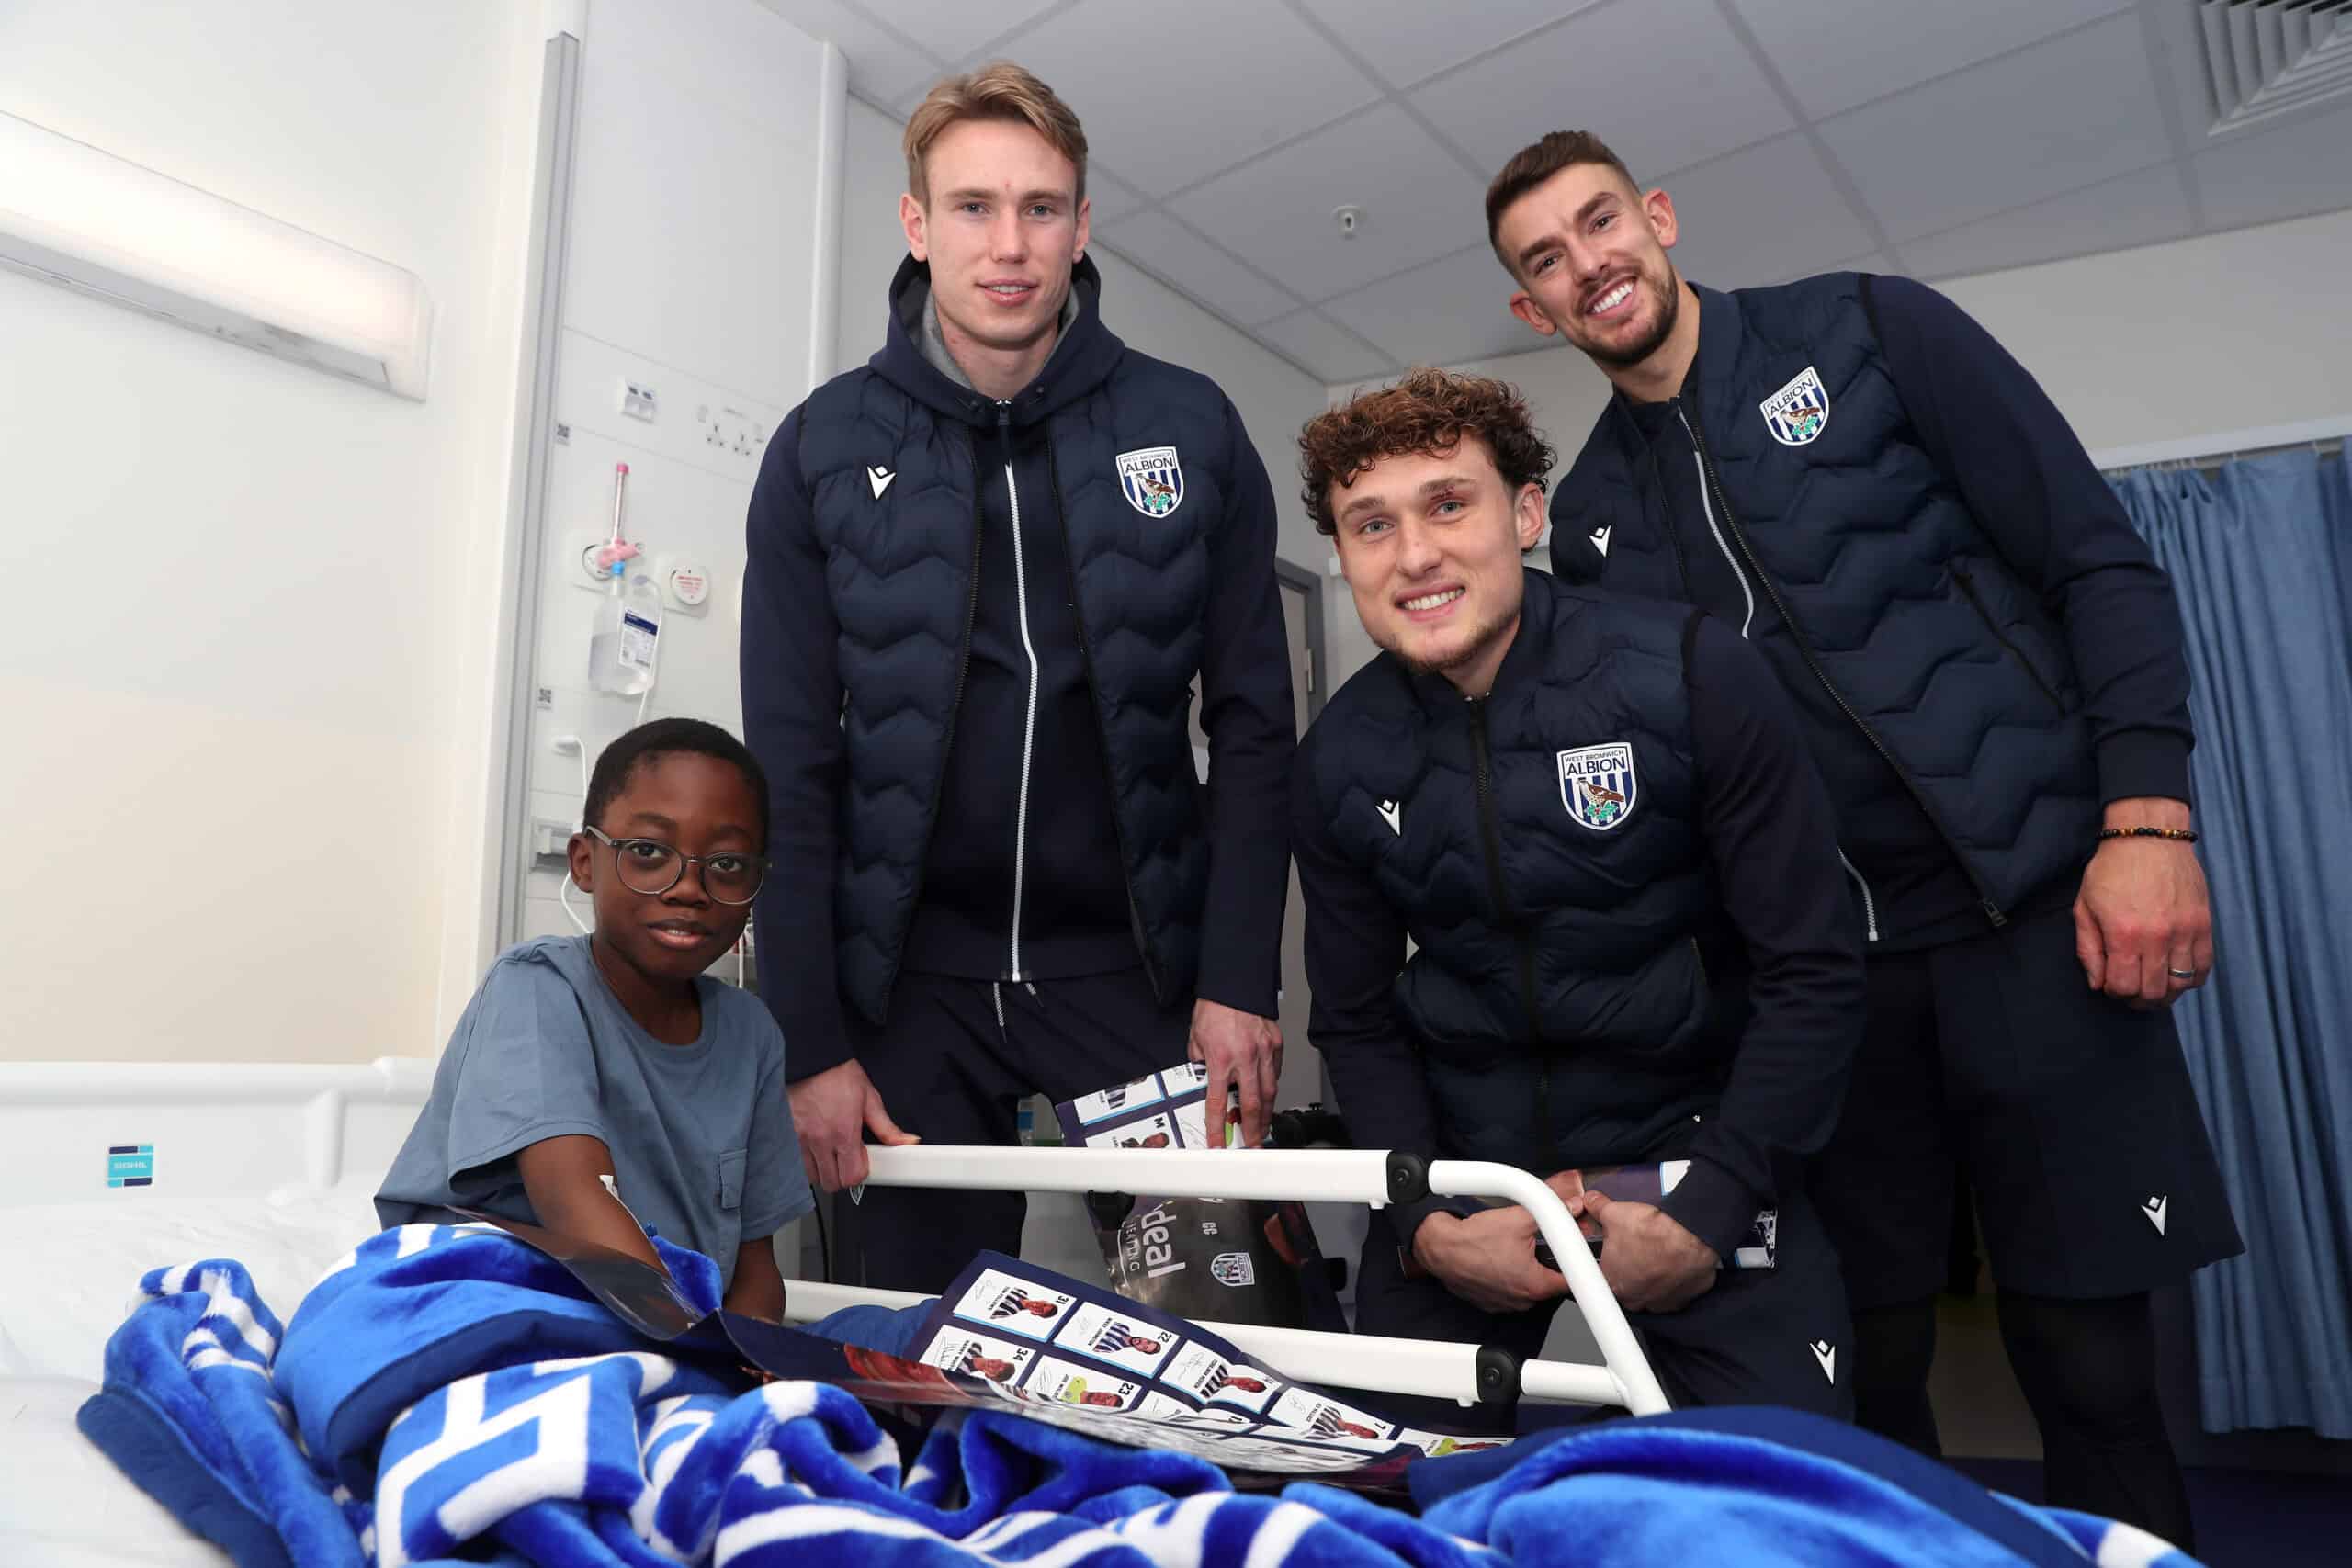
109, 228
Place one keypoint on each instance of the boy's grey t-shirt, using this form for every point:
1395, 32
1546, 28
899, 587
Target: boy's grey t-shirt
701, 1136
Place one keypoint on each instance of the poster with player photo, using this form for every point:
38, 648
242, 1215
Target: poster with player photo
1157, 1131
1216, 1374
1121, 1339
1322, 1417
1067, 1382
1119, 1101
971, 1365
959, 1350
1014, 1306
1243, 1261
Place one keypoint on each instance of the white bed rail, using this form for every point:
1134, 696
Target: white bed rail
1346, 1176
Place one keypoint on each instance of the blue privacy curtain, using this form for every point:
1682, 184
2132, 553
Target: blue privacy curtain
2260, 553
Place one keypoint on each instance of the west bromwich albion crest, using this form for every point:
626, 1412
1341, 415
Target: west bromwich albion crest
1596, 785
1798, 412
1153, 479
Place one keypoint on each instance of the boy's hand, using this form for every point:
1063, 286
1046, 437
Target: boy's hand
1245, 1051
1652, 1264
831, 1111
1487, 1260
757, 1290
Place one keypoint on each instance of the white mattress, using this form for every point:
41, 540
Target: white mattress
64, 1503
71, 1270
71, 1273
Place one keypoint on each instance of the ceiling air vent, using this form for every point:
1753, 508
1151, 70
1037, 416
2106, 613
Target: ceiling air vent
2272, 57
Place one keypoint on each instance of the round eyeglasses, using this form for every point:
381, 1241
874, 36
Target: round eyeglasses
650, 866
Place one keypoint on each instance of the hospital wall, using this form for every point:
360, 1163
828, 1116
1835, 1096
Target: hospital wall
2174, 341
691, 270
250, 614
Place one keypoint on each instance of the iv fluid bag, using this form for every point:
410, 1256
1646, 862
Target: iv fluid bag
628, 627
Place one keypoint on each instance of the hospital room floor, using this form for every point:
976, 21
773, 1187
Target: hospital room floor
2244, 1516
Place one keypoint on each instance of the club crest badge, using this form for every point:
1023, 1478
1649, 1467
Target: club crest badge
1153, 479
1597, 786
1234, 1268
1798, 412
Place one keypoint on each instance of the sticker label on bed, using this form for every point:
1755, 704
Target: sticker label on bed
1066, 1383
1124, 1340
1015, 1306
130, 1165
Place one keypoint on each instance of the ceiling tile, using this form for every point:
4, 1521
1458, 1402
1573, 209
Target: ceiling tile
1173, 96
2261, 176
1835, 54
1108, 197
1763, 216
2054, 117
882, 66
1275, 212
954, 28
2138, 210
1599, 71
1182, 259
1409, 43
1448, 312
1872, 261
1334, 354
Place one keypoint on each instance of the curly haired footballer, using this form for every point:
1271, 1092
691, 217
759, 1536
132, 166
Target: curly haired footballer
1429, 412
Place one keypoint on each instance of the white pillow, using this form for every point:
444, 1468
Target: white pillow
64, 1505
72, 1270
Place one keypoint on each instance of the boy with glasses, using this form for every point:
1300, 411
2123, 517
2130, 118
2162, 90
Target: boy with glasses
599, 1082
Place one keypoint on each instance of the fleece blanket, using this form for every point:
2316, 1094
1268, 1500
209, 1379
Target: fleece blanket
450, 1390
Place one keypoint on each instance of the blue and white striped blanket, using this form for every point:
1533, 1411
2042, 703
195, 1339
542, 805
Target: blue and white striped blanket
449, 1389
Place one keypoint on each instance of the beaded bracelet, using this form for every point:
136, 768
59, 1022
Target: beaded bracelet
2185, 835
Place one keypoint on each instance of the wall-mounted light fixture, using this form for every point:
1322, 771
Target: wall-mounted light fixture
95, 222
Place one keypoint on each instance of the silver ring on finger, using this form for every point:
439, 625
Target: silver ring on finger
2181, 974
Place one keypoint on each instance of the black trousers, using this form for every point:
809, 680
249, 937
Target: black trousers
953, 1064
1773, 1335
2072, 1119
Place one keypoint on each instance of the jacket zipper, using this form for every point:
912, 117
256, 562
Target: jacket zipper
1029, 719
954, 711
1492, 837
1968, 590
1094, 692
1711, 484
1729, 559
1673, 540
1869, 903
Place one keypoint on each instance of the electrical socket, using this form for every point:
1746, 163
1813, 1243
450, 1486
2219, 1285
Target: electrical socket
551, 844
730, 430
639, 401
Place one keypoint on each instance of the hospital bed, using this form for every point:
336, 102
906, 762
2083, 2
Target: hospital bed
111, 1169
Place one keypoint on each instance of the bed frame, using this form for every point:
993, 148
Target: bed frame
232, 1130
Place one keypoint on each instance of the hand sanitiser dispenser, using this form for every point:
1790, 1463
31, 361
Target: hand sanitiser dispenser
622, 650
